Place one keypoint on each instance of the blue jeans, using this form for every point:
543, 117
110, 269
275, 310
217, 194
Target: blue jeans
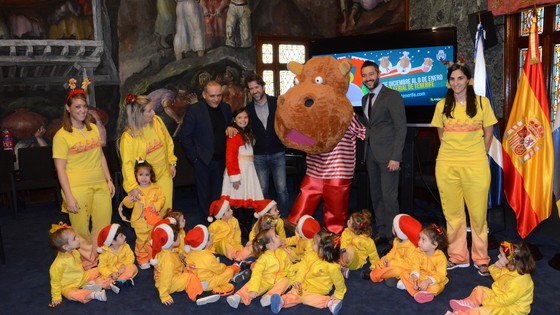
274, 164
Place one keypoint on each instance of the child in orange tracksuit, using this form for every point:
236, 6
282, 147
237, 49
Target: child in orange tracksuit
428, 275
204, 263
319, 271
68, 277
356, 243
389, 268
225, 231
272, 271
145, 210
169, 274
116, 259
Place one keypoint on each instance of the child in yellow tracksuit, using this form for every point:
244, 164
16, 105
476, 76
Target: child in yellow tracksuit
116, 259
356, 243
269, 207
145, 210
389, 268
225, 231
68, 277
428, 275
302, 242
203, 262
512, 290
318, 272
169, 274
272, 271
178, 218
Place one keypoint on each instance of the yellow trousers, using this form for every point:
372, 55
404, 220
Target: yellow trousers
166, 184
459, 185
142, 247
95, 207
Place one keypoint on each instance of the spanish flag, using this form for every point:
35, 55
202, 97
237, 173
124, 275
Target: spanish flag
527, 144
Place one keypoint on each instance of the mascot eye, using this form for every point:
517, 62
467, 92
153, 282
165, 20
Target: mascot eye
319, 80
296, 81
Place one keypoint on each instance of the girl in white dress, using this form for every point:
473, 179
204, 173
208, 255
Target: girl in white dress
241, 185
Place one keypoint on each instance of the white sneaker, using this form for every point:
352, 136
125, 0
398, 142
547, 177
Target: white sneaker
334, 306
145, 266
233, 300
206, 298
92, 287
99, 295
114, 288
400, 285
265, 300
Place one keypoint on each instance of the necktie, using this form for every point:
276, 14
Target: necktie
370, 104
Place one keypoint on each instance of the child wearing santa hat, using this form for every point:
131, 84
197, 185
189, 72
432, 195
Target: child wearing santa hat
169, 274
267, 206
116, 259
204, 263
225, 231
181, 223
406, 230
302, 242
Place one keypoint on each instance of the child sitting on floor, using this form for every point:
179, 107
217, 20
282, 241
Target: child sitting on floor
302, 241
206, 266
116, 259
225, 231
356, 243
68, 277
406, 230
512, 290
318, 272
428, 275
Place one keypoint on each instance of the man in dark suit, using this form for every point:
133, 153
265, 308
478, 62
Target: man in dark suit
385, 120
203, 138
269, 151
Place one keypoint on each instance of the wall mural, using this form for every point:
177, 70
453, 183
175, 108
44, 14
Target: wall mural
168, 49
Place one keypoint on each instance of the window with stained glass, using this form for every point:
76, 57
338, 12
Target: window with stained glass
267, 53
286, 81
522, 56
526, 20
289, 53
555, 91
273, 55
268, 78
557, 20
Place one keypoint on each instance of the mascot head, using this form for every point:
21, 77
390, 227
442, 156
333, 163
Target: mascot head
314, 114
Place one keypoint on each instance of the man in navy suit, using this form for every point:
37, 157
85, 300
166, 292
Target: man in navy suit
269, 151
203, 137
385, 120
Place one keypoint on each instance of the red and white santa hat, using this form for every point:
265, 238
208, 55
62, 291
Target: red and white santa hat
307, 227
107, 236
217, 209
197, 238
407, 228
162, 238
263, 206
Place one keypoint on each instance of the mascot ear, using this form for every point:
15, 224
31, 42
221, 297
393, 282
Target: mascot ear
295, 67
345, 66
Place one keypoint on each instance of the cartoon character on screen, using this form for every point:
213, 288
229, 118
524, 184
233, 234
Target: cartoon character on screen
319, 94
404, 65
385, 65
512, 290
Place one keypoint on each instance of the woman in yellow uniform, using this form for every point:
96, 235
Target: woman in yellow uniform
83, 174
146, 136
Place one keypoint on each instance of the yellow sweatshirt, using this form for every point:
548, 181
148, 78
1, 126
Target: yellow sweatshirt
270, 267
110, 262
513, 293
364, 247
66, 273
319, 276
